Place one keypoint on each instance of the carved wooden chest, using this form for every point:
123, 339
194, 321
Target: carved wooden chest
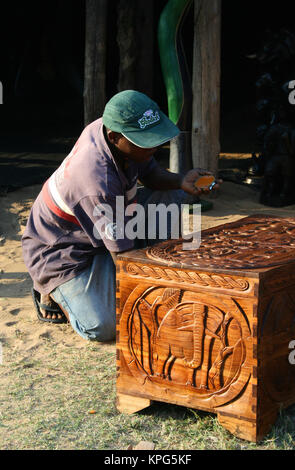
211, 328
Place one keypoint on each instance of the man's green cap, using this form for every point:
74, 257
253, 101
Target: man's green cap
139, 119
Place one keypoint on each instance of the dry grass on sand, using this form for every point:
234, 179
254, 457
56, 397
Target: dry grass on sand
51, 378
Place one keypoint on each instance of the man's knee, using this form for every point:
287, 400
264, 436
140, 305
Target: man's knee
104, 331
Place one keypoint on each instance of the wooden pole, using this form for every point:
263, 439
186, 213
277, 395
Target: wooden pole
135, 38
95, 59
146, 38
206, 84
128, 47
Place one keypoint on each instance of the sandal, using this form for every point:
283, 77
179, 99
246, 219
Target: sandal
36, 299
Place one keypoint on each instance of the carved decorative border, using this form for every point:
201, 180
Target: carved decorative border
200, 279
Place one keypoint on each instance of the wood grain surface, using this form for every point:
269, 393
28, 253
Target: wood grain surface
211, 341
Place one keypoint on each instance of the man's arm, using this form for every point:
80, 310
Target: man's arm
160, 179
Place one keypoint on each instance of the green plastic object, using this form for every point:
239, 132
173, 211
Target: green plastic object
168, 26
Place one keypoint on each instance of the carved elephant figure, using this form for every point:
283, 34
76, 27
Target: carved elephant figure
185, 333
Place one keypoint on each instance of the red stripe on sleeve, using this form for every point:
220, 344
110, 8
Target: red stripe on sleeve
54, 208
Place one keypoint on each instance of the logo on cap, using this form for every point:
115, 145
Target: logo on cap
148, 118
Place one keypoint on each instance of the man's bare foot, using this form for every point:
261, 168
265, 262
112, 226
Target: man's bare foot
47, 300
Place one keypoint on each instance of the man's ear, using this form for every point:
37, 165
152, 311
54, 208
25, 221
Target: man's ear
113, 136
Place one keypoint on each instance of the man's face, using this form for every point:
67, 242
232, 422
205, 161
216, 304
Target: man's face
130, 150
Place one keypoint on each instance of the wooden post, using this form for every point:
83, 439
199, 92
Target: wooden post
95, 59
135, 38
206, 84
145, 39
126, 38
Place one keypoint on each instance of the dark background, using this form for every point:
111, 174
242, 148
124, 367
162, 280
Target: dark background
42, 68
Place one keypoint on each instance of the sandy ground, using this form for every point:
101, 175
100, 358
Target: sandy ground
19, 326
20, 330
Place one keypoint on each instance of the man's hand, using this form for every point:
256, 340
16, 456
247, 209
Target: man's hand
161, 179
188, 182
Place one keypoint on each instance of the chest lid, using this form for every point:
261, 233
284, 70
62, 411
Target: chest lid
252, 243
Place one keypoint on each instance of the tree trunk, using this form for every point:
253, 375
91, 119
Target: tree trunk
95, 59
206, 85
